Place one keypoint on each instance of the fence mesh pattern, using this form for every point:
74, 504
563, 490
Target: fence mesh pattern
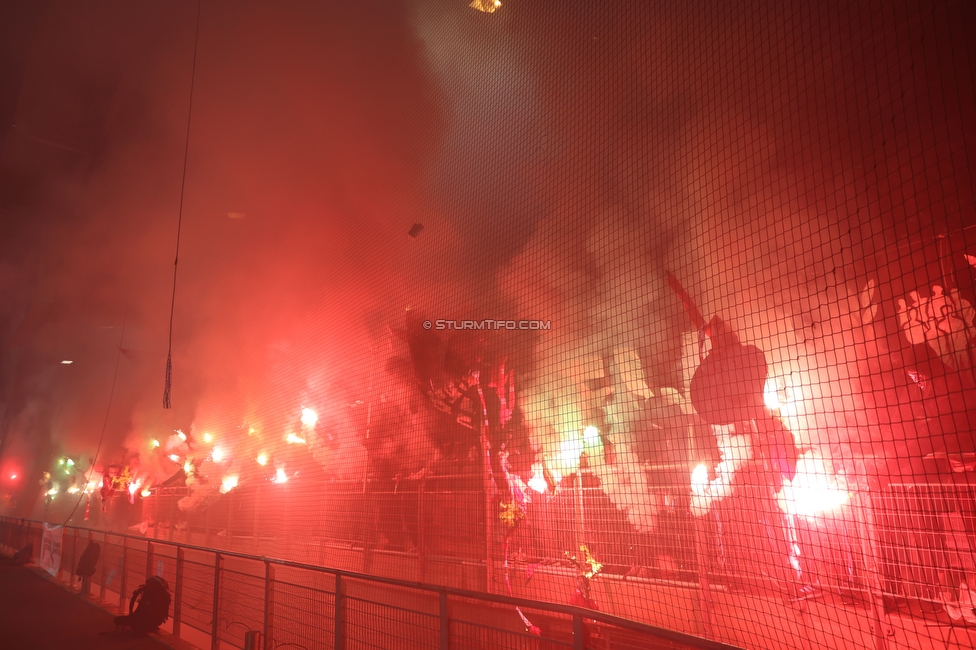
666, 310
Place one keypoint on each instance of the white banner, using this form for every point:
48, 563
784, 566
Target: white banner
50, 559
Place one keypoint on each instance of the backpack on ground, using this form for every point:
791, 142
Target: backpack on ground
24, 555
88, 560
148, 607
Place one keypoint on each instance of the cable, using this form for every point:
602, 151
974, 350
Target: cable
179, 224
108, 409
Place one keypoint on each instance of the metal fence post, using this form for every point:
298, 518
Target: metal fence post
74, 560
268, 604
577, 632
149, 560
445, 624
704, 589
103, 575
178, 596
340, 614
218, 560
86, 581
421, 536
122, 570
863, 511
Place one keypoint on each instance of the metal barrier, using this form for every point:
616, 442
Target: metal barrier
224, 598
923, 535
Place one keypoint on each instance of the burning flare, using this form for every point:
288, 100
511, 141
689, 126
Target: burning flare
228, 484
309, 417
812, 491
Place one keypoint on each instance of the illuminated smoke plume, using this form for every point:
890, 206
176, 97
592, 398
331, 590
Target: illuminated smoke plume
593, 281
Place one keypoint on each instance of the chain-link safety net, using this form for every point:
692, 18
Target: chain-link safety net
663, 309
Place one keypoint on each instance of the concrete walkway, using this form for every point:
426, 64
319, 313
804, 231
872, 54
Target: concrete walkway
36, 612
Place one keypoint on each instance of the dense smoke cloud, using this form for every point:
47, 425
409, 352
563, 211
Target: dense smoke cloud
561, 160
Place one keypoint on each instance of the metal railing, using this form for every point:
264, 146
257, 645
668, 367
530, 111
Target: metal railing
222, 598
919, 528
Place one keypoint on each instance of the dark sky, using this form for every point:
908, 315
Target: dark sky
560, 155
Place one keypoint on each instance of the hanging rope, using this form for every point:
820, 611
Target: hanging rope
179, 224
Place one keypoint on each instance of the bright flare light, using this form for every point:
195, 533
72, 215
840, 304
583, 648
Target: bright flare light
155, 443
228, 484
570, 451
309, 417
73, 490
538, 480
146, 493
291, 438
771, 394
207, 437
52, 491
280, 476
591, 435
811, 492
262, 459
13, 476
181, 435
699, 477
174, 458
71, 463
67, 362
133, 486
486, 6
187, 467
217, 454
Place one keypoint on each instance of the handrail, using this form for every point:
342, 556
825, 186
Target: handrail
571, 610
